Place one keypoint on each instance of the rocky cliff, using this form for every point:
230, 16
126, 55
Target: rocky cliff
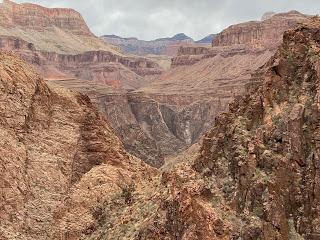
57, 52
55, 30
256, 35
267, 144
64, 174
58, 43
180, 106
59, 158
161, 46
173, 112
40, 18
256, 173
99, 66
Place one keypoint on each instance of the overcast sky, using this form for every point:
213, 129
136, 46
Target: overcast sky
151, 19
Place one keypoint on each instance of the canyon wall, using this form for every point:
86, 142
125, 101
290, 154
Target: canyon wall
259, 35
59, 158
161, 46
36, 17
65, 175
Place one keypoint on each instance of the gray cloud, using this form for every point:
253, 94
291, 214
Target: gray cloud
150, 19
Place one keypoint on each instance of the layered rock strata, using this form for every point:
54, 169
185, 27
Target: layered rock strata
58, 43
161, 46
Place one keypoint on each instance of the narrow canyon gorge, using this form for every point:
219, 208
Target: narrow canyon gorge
195, 142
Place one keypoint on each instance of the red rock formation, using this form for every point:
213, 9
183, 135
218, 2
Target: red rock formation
189, 55
171, 49
99, 66
200, 75
259, 36
268, 140
40, 18
58, 52
59, 158
183, 102
65, 175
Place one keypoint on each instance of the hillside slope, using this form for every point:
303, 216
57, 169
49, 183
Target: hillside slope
59, 158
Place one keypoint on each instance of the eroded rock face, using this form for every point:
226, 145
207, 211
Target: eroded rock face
269, 141
103, 67
258, 36
85, 57
54, 30
183, 101
40, 18
59, 158
58, 43
255, 175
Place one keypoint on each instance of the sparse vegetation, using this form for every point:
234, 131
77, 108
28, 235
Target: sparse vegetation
181, 180
314, 56
258, 211
127, 194
279, 98
289, 156
277, 119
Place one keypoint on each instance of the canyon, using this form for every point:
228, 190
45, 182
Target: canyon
156, 113
255, 175
66, 175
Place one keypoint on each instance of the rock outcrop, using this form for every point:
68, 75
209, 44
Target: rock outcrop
259, 36
59, 158
65, 175
174, 111
32, 16
58, 52
267, 144
54, 30
105, 67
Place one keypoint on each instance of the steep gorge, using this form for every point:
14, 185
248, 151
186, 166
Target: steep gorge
180, 105
256, 173
65, 175
157, 114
